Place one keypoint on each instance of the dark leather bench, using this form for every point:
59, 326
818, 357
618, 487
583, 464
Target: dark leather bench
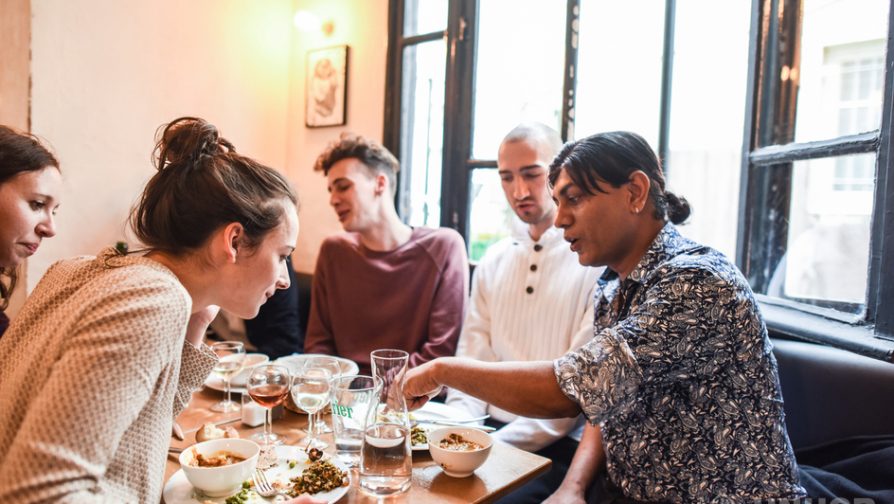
831, 394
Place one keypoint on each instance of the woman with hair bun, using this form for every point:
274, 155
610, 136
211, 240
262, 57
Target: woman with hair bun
30, 182
108, 349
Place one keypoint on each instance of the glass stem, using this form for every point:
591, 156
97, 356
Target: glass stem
311, 426
227, 388
268, 427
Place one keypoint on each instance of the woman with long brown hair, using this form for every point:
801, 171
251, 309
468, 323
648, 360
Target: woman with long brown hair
30, 182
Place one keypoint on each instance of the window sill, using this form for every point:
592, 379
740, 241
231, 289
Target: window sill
796, 324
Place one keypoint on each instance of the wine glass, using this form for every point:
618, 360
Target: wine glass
329, 364
310, 392
268, 385
230, 355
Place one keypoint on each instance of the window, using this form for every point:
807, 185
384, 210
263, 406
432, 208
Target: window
767, 114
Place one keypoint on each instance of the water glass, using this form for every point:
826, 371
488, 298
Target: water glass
352, 396
386, 460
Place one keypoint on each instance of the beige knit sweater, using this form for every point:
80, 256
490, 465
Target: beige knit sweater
92, 372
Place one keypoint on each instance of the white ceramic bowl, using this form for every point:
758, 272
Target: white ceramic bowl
251, 360
225, 480
459, 464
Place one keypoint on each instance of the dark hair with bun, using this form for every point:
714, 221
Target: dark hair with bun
19, 153
203, 184
611, 158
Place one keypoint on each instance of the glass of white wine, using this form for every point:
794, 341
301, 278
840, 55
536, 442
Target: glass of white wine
310, 392
231, 355
329, 364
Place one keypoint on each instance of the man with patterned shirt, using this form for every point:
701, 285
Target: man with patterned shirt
680, 374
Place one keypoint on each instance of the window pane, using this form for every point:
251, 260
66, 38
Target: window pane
490, 215
619, 67
519, 69
422, 132
842, 67
707, 113
424, 16
828, 234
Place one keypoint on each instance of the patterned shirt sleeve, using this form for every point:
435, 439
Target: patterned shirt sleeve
195, 365
672, 334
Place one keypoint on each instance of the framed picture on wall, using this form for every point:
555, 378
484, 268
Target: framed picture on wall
327, 87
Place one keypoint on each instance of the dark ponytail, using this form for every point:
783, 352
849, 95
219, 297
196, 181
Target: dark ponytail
19, 153
203, 184
678, 209
611, 158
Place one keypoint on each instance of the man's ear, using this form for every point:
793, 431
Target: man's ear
638, 191
381, 184
233, 237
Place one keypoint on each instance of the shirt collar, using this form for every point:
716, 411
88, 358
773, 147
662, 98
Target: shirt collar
519, 233
667, 244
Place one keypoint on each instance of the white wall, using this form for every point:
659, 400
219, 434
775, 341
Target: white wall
362, 25
107, 73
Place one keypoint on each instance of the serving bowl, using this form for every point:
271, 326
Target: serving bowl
224, 480
251, 360
459, 464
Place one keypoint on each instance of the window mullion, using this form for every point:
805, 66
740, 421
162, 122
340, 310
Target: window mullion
880, 294
572, 41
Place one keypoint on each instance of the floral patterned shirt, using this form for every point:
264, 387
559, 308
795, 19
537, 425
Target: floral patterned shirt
681, 377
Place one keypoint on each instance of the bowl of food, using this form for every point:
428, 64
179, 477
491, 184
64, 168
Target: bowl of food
459, 450
251, 360
218, 467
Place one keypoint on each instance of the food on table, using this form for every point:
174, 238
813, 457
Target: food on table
320, 476
210, 431
217, 459
314, 454
418, 436
456, 442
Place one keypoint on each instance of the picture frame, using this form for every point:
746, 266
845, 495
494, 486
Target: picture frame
327, 87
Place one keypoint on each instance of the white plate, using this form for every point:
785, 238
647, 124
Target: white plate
434, 411
296, 362
179, 491
215, 382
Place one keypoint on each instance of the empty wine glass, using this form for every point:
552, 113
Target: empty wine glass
268, 385
329, 364
310, 392
231, 355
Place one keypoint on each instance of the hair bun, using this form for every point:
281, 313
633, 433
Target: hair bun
678, 208
186, 140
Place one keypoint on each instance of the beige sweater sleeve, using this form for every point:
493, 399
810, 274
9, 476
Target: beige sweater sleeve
195, 365
115, 362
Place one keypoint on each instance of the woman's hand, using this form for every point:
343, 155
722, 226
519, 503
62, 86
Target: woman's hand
198, 324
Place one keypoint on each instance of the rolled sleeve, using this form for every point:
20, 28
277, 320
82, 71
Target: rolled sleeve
602, 376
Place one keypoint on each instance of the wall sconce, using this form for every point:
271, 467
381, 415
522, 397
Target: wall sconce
307, 21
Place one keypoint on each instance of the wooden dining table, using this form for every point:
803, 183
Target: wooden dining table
506, 469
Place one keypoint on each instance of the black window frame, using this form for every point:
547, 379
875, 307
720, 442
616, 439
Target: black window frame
870, 334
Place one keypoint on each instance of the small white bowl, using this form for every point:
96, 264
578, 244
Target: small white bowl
225, 480
251, 360
459, 464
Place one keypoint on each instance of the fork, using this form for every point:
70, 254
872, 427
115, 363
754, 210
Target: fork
263, 487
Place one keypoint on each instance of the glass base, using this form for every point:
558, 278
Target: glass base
265, 439
226, 407
316, 443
